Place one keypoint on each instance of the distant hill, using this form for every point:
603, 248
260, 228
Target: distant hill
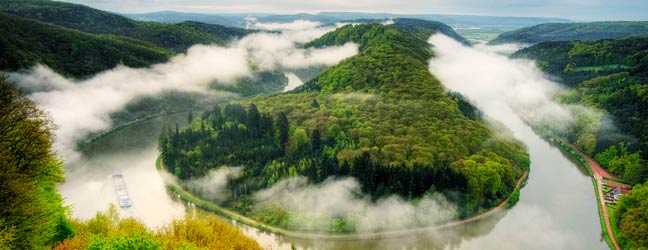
26, 42
505, 23
573, 31
175, 37
424, 29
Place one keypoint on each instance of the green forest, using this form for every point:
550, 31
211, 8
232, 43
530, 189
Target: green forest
590, 31
611, 76
32, 215
175, 37
379, 116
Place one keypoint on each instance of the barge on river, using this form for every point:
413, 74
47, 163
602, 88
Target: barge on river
120, 189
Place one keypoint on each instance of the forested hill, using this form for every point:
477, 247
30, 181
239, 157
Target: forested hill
575, 61
379, 116
176, 37
27, 42
611, 75
422, 29
573, 31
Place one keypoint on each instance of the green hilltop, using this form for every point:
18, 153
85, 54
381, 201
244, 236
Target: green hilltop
379, 116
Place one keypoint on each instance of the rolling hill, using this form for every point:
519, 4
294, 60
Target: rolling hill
176, 37
572, 32
27, 42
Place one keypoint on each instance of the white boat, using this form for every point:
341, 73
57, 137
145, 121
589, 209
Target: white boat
120, 188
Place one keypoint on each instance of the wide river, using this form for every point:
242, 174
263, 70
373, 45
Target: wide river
557, 207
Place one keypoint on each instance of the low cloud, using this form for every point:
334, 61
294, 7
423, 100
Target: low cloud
342, 198
253, 23
81, 107
490, 79
213, 185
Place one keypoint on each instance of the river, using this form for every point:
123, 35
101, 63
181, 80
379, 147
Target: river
557, 207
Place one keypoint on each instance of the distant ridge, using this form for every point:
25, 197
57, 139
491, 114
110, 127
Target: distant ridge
552, 32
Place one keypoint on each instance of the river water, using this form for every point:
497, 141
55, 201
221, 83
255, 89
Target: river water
557, 207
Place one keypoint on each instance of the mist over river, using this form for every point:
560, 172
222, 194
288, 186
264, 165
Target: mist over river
557, 207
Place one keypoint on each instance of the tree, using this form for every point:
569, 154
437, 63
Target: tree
190, 117
283, 129
32, 212
316, 141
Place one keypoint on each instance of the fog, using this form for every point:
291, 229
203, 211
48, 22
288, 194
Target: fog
81, 107
293, 82
341, 198
513, 92
213, 185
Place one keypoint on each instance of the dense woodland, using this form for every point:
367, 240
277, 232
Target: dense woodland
379, 116
32, 215
27, 42
552, 32
175, 37
611, 76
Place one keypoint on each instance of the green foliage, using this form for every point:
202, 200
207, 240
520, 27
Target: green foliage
379, 116
633, 219
32, 215
175, 37
70, 52
573, 31
197, 230
609, 75
575, 62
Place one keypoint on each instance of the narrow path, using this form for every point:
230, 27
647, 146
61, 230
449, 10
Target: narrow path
599, 183
599, 174
343, 236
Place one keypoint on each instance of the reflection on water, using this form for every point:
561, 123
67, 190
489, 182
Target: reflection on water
557, 207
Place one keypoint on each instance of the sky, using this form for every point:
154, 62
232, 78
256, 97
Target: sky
584, 10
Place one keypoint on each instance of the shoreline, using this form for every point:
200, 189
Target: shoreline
597, 182
395, 233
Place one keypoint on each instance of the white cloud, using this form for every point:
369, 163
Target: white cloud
80, 107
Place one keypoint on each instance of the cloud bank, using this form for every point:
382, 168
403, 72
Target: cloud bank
81, 107
341, 198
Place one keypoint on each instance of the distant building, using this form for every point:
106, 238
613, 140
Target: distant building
614, 195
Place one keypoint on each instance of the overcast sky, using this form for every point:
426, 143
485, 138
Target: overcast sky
586, 10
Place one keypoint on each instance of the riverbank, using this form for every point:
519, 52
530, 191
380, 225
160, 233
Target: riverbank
210, 206
597, 174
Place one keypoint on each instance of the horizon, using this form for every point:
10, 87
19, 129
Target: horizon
578, 11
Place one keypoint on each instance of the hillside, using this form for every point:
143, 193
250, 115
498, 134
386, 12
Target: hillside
573, 31
175, 37
575, 62
73, 53
423, 29
612, 76
379, 116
